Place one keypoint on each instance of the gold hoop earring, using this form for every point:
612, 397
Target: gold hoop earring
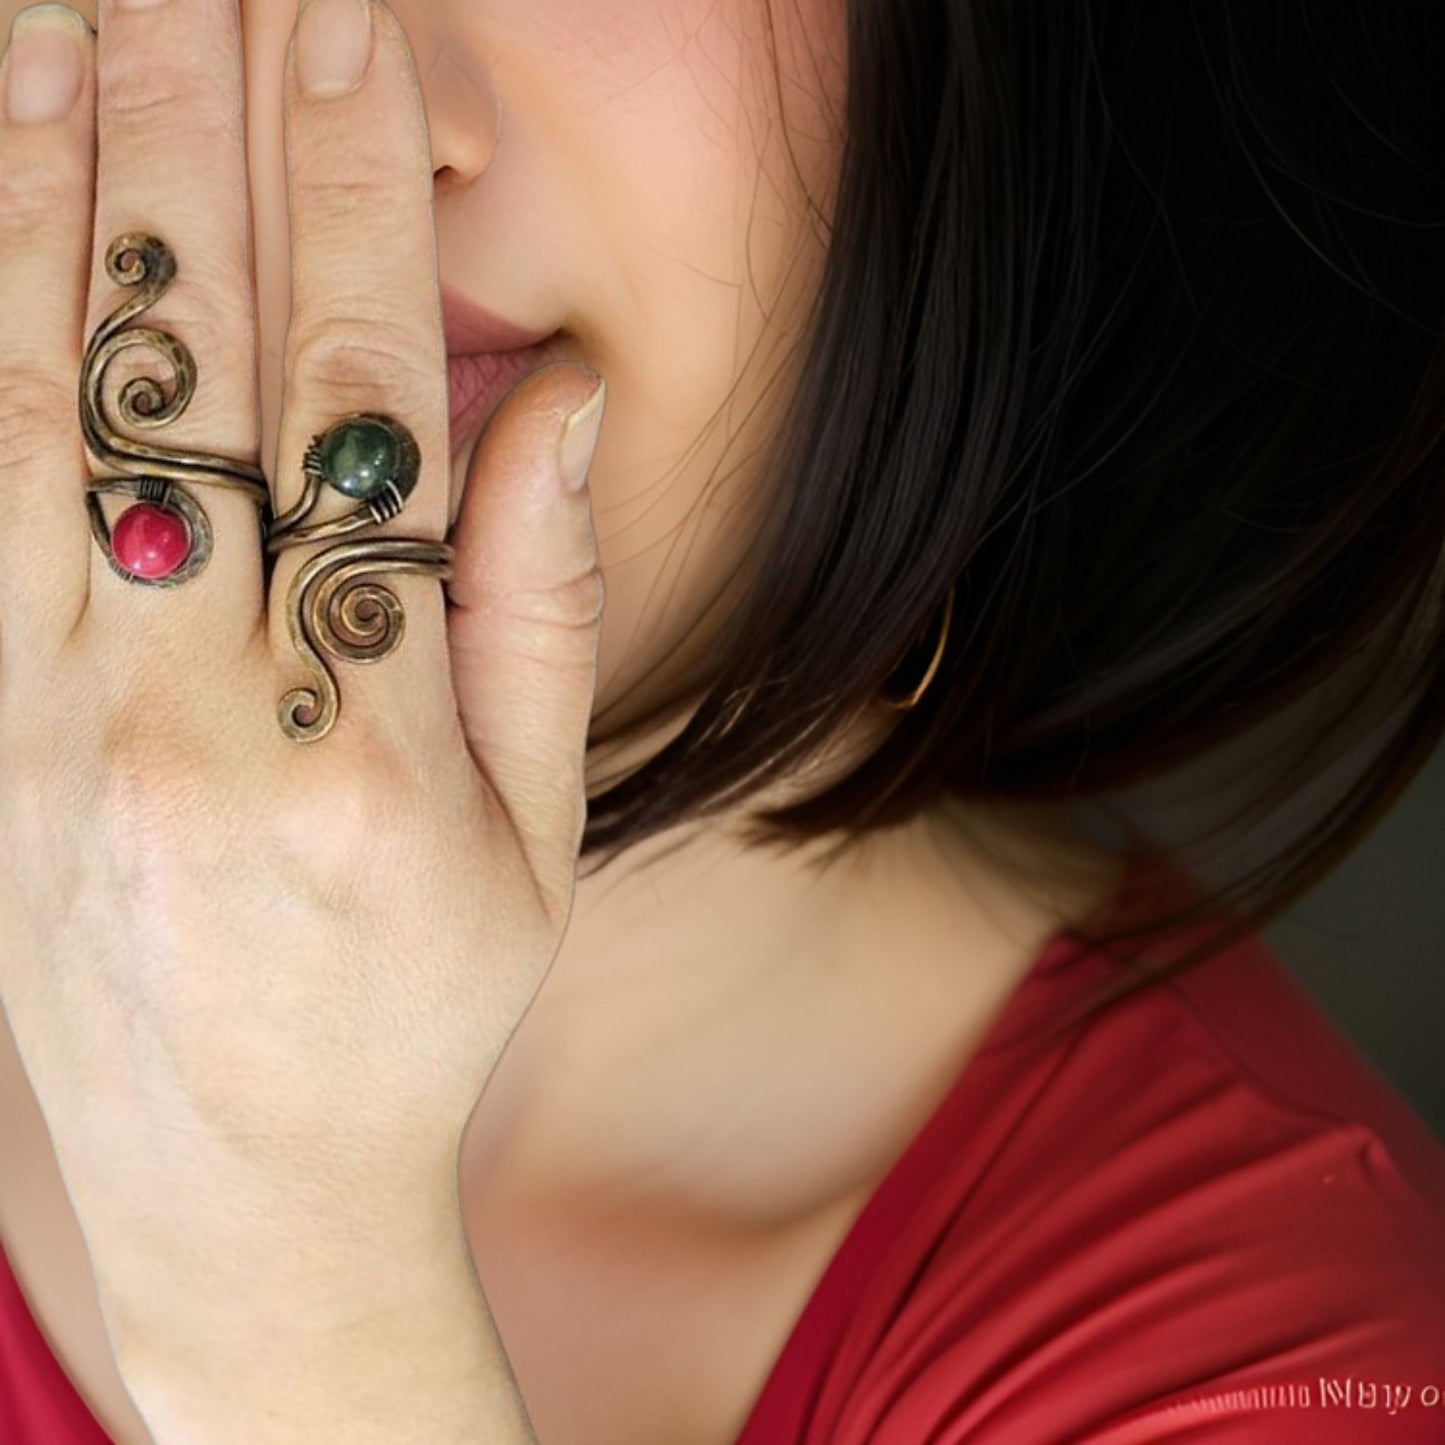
903, 704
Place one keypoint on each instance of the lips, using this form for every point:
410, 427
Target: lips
486, 357
480, 383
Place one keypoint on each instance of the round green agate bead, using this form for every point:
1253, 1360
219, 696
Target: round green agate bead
359, 457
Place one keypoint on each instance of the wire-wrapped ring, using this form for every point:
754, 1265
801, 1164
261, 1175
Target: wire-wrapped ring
335, 605
166, 540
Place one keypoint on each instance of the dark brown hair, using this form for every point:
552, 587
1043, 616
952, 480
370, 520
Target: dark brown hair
1131, 327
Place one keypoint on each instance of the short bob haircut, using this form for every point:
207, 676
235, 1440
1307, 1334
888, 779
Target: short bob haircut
1130, 327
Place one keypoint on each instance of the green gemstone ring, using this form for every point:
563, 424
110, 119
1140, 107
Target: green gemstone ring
336, 605
361, 458
369, 458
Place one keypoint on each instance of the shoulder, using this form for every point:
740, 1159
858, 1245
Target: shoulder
1206, 1217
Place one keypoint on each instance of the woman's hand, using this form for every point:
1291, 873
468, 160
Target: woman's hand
258, 985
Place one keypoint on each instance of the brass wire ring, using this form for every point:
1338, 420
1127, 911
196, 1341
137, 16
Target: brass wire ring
336, 606
154, 475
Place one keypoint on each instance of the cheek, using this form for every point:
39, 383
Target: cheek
687, 183
688, 168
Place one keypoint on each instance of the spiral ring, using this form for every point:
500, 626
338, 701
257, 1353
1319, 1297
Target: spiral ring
155, 476
336, 606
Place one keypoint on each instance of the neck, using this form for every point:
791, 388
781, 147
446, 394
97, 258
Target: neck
717, 1012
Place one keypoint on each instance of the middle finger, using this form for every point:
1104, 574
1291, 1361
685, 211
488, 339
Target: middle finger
172, 164
365, 337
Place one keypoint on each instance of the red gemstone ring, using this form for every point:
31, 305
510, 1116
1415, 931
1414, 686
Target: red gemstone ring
166, 538
336, 606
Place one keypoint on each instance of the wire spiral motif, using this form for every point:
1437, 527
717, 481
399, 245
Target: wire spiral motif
152, 474
336, 606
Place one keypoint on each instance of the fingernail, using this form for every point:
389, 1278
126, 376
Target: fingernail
46, 68
333, 47
579, 440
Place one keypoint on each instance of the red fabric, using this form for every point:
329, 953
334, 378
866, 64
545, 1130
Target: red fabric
1202, 1217
38, 1404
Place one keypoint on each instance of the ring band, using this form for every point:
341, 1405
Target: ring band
168, 538
335, 606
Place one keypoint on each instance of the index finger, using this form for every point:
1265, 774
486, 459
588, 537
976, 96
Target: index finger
172, 164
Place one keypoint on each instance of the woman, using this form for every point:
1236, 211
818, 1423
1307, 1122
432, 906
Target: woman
1039, 396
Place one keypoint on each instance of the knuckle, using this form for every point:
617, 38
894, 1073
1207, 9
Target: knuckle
337, 184
34, 408
142, 101
155, 796
32, 188
142, 91
338, 190
363, 363
584, 598
335, 828
342, 191
575, 605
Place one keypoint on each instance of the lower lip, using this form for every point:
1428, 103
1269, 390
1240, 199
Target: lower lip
480, 383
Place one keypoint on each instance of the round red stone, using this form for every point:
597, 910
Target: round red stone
151, 541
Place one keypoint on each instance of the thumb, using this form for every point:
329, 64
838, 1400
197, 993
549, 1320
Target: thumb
525, 613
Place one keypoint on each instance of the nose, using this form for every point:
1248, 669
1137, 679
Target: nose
464, 108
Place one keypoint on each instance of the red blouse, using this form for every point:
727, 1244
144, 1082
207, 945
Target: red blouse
1202, 1217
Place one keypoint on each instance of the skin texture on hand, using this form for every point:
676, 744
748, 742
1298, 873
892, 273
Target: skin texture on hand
256, 986
657, 181
628, 171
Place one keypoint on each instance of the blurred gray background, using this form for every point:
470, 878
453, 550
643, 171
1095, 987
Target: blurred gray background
1369, 944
